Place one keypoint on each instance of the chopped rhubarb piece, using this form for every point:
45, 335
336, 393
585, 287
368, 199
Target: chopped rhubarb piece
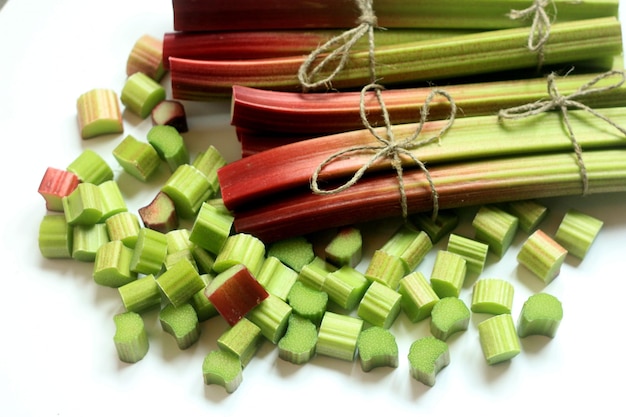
170, 113
160, 214
99, 113
56, 184
235, 292
146, 56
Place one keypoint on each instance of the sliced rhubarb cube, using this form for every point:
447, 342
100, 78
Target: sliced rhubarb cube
56, 184
234, 293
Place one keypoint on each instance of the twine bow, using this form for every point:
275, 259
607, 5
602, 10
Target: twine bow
562, 103
390, 148
540, 27
367, 23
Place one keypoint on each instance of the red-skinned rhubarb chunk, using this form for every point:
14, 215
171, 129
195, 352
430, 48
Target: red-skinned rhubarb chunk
160, 214
56, 184
234, 293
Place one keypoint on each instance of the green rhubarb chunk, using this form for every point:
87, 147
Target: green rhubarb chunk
209, 162
307, 302
449, 316
189, 189
243, 339
492, 296
84, 205
222, 368
172, 258
182, 323
474, 252
55, 237
577, 232
298, 344
437, 228
418, 296
141, 94
137, 158
338, 336
130, 338
295, 252
218, 204
529, 212
346, 287
241, 248
141, 294
542, 256
86, 240
99, 113
112, 265
211, 228
112, 200
180, 282
345, 248
410, 245
380, 306
178, 240
272, 317
276, 277
203, 258
149, 253
377, 347
199, 301
169, 144
448, 274
386, 269
541, 315
314, 273
496, 228
427, 357
91, 167
124, 226
498, 339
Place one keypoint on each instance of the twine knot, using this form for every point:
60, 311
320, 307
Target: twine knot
307, 72
540, 27
390, 148
562, 103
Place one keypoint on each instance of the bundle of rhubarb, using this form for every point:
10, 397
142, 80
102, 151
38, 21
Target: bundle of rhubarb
492, 59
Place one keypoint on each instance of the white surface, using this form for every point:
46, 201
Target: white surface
57, 357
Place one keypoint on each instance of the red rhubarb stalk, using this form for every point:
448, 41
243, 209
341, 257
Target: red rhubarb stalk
458, 185
289, 167
220, 15
310, 114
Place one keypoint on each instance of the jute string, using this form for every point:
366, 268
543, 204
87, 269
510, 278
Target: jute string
540, 27
389, 147
562, 103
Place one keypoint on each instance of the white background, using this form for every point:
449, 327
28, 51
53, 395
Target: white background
57, 357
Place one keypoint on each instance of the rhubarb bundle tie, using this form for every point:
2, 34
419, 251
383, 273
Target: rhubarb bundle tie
390, 148
367, 23
562, 103
540, 27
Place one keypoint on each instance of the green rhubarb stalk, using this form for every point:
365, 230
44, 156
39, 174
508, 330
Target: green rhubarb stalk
449, 315
418, 296
530, 213
55, 237
99, 113
427, 356
150, 252
222, 368
295, 252
496, 228
91, 167
140, 94
448, 274
170, 145
410, 245
87, 239
457, 56
272, 317
83, 206
146, 56
541, 315
241, 248
137, 158
458, 185
180, 282
437, 228
141, 294
124, 226
386, 269
276, 277
189, 188
346, 287
345, 248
